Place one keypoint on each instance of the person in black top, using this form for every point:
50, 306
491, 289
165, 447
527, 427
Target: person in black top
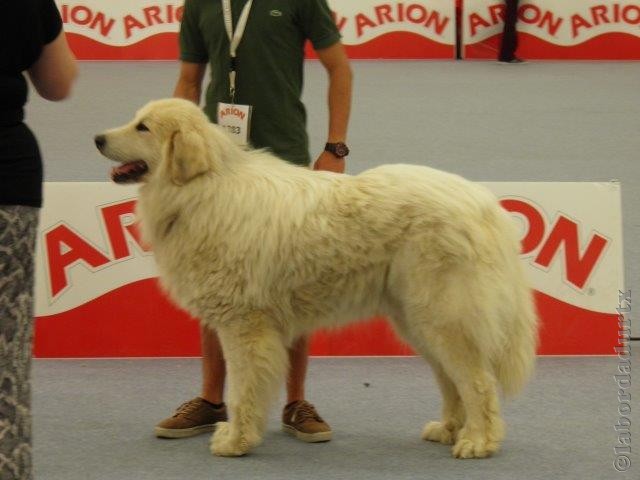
509, 42
32, 41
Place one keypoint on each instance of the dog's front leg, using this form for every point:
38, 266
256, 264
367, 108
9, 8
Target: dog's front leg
256, 361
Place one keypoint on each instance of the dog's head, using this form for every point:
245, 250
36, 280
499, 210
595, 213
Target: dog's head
168, 137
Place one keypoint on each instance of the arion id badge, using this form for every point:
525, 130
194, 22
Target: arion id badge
236, 119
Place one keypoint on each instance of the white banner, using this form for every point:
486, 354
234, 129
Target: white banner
572, 239
564, 23
125, 22
360, 21
120, 22
87, 245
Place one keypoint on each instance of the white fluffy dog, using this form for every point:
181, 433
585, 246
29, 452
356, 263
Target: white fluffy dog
264, 251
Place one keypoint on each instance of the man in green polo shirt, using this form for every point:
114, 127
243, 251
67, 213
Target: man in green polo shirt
261, 66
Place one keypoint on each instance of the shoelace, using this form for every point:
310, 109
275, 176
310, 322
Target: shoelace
187, 407
306, 411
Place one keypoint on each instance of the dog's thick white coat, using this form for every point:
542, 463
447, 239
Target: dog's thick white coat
264, 251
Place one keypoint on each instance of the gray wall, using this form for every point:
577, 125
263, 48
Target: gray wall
541, 121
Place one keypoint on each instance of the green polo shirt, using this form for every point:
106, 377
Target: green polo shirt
269, 64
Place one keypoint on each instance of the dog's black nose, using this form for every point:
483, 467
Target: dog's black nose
100, 141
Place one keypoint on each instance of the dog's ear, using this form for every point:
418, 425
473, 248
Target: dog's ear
186, 156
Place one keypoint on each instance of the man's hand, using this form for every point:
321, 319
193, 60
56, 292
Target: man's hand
328, 161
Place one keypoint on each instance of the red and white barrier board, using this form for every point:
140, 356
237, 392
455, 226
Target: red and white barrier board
97, 293
424, 29
551, 29
147, 29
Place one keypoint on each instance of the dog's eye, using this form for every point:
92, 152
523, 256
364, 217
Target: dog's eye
141, 127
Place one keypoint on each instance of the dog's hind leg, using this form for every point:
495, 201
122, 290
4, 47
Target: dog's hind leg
483, 429
257, 361
453, 415
470, 412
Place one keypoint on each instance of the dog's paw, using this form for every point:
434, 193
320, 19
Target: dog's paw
438, 432
467, 447
225, 443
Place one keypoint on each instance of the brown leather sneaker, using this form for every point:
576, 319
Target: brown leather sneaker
191, 418
301, 420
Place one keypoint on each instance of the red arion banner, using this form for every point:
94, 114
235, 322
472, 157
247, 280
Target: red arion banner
97, 294
415, 29
551, 29
147, 29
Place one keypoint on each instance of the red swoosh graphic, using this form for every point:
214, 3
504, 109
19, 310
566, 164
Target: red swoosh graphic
137, 320
397, 45
608, 46
161, 46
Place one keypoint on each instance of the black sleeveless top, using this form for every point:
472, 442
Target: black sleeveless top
26, 26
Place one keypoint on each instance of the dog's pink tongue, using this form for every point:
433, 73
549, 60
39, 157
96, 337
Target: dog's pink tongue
125, 169
128, 172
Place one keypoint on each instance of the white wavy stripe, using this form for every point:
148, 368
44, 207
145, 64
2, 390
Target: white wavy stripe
596, 205
395, 19
565, 34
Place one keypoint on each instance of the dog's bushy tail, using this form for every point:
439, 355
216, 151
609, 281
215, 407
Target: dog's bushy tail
513, 353
515, 363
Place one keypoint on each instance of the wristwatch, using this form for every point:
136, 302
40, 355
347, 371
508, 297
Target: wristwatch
339, 149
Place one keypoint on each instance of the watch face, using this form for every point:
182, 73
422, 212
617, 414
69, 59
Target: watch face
342, 150
338, 149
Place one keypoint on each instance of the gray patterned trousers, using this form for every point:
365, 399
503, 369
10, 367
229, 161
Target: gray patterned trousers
18, 228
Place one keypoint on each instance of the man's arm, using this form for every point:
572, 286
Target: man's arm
189, 85
335, 61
